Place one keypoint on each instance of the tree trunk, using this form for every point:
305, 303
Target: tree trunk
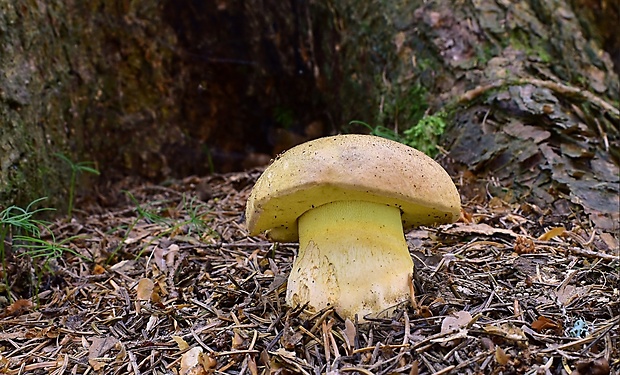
86, 80
531, 101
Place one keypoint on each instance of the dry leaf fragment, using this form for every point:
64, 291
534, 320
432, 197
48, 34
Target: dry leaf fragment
349, 333
252, 365
543, 323
399, 40
482, 229
18, 307
164, 258
191, 362
599, 366
98, 269
553, 232
98, 348
500, 356
567, 293
451, 323
524, 245
507, 331
181, 343
237, 340
145, 289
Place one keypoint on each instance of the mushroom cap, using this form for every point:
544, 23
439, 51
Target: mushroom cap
350, 167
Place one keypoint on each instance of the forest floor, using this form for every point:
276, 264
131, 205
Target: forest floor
169, 282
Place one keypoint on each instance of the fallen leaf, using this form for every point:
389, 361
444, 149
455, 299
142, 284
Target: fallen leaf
98, 270
98, 348
507, 331
145, 289
349, 334
599, 366
483, 229
399, 39
18, 307
610, 241
461, 333
553, 232
543, 323
567, 293
191, 362
252, 366
158, 258
451, 323
237, 340
500, 356
181, 343
164, 258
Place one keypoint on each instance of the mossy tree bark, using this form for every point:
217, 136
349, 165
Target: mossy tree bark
531, 97
84, 79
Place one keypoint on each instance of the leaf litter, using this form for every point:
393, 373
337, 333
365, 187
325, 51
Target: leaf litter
176, 286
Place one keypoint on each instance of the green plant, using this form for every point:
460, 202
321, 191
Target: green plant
425, 134
76, 168
285, 117
39, 248
379, 131
195, 222
196, 213
422, 136
14, 222
143, 213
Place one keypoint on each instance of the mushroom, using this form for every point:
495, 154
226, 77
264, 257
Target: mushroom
347, 199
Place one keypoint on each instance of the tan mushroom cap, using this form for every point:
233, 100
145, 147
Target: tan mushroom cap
350, 167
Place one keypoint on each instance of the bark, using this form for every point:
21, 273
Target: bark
150, 89
84, 79
532, 103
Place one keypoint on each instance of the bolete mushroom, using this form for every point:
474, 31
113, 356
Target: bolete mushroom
347, 198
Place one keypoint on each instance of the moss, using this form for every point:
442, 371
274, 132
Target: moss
522, 41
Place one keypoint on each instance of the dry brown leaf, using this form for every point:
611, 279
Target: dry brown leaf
181, 343
171, 254
145, 289
496, 204
237, 340
507, 331
252, 366
98, 269
483, 229
599, 366
399, 39
567, 293
451, 323
18, 307
191, 362
98, 348
349, 333
553, 232
543, 323
158, 258
500, 356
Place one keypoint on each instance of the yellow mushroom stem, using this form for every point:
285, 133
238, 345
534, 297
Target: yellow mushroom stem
352, 256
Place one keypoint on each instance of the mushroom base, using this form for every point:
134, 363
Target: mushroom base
352, 256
